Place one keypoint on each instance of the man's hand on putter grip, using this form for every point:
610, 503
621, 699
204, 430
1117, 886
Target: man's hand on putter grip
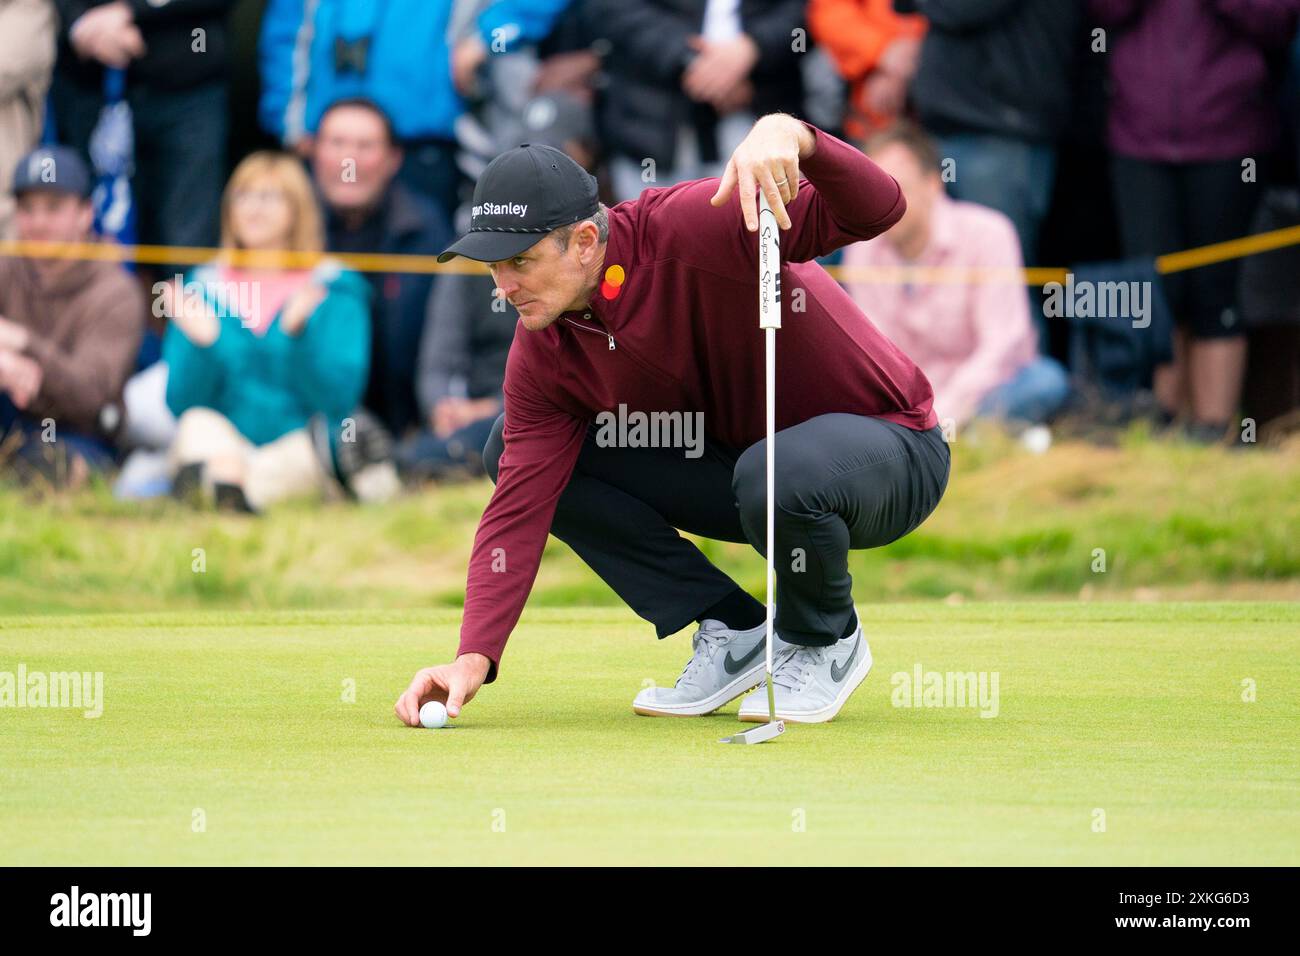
453, 684
767, 159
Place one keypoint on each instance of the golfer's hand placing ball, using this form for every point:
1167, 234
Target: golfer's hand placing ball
767, 159
453, 684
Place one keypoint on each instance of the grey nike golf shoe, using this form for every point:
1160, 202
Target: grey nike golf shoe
811, 684
724, 665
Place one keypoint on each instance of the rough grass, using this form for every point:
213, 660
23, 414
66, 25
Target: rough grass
1173, 520
1128, 715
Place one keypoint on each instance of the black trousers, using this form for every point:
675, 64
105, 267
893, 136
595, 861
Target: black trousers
180, 162
842, 482
1165, 207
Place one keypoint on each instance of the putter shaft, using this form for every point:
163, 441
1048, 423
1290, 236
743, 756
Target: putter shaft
769, 320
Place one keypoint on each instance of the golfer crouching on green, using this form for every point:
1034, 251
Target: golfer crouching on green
653, 305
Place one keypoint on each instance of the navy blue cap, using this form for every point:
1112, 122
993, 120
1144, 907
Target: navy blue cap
53, 168
523, 194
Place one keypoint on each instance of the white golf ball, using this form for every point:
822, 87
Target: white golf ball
433, 715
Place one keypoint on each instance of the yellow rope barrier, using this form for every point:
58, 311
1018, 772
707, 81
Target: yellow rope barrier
384, 262
242, 258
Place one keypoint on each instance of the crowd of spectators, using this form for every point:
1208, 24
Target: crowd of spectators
236, 360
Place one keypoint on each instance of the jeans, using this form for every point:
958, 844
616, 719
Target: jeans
842, 482
1009, 175
1015, 178
1033, 394
34, 452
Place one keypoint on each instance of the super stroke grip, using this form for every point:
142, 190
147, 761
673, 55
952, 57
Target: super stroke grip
769, 266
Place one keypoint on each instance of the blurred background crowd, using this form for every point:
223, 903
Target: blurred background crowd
1090, 136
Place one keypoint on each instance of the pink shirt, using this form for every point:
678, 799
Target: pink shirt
260, 297
968, 337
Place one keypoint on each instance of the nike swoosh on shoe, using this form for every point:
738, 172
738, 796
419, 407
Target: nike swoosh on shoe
837, 672
733, 666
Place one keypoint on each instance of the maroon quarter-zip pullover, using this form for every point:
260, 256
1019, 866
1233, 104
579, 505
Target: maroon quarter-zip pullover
681, 334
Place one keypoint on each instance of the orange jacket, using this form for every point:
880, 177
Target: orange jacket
855, 33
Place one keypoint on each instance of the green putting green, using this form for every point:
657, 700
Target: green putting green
229, 738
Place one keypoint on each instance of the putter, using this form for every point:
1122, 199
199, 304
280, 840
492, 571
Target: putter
769, 320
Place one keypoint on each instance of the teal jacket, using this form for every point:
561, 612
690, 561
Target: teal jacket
271, 384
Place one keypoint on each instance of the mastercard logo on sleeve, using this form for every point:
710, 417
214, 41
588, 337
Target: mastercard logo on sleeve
613, 282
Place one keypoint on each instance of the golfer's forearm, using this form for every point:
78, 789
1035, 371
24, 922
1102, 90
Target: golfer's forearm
852, 199
481, 663
487, 623
502, 567
858, 191
476, 650
807, 141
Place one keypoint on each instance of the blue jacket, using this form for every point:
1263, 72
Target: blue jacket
407, 65
512, 23
271, 384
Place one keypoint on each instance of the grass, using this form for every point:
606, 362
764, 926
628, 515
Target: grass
1135, 710
227, 647
1178, 520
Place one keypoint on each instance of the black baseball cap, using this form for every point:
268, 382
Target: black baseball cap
522, 195
55, 169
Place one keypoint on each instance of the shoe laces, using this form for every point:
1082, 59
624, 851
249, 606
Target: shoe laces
705, 645
795, 669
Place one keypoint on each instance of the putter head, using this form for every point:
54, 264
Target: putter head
757, 734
